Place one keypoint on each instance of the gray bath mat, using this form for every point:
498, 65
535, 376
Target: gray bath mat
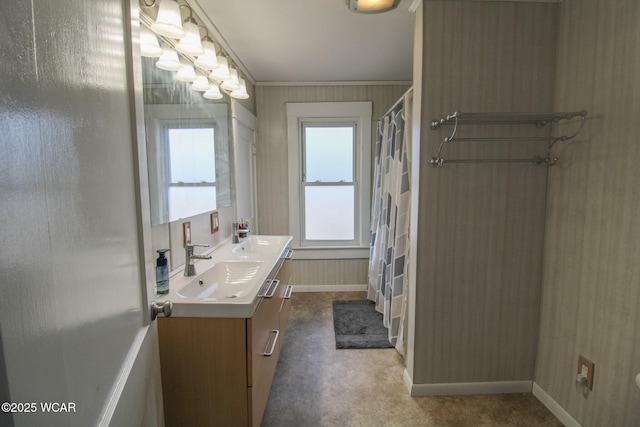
358, 325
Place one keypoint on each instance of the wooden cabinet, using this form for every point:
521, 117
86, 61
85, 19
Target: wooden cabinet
218, 371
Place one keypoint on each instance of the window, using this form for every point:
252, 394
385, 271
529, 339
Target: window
191, 171
189, 160
329, 175
328, 182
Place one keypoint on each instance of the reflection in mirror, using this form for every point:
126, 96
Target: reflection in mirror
188, 147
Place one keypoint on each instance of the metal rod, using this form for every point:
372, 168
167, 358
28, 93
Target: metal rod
507, 138
539, 119
396, 103
435, 161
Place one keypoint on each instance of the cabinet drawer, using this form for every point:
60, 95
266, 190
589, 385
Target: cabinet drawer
263, 356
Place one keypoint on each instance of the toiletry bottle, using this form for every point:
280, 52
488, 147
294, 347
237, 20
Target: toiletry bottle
162, 273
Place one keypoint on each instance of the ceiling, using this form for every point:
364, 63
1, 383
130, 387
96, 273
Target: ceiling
308, 41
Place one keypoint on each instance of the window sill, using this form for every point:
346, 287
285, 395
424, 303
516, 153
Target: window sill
339, 252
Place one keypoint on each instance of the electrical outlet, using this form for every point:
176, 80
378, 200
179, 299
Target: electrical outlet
586, 367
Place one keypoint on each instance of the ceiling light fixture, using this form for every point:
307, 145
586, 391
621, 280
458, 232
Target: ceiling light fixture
186, 73
221, 72
212, 93
149, 46
168, 22
232, 82
198, 57
372, 6
240, 93
190, 44
208, 59
169, 60
201, 83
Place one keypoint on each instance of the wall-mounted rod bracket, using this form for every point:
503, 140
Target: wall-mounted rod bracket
538, 119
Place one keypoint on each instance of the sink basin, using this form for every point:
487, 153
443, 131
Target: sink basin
257, 246
229, 283
224, 281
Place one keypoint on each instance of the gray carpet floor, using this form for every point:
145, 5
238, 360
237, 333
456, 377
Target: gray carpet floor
317, 385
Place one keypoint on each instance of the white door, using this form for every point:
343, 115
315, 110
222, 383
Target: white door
244, 131
77, 347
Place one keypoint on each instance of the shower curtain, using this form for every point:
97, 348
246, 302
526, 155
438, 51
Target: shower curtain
388, 261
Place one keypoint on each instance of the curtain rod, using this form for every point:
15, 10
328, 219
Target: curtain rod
396, 103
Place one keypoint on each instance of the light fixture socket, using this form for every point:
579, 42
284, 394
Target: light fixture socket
372, 6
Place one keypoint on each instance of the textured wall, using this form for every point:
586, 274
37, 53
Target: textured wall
273, 184
70, 277
591, 293
481, 226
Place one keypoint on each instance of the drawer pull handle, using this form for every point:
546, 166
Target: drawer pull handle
289, 254
273, 345
272, 287
288, 292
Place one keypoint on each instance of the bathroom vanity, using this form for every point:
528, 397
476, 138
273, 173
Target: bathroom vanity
220, 348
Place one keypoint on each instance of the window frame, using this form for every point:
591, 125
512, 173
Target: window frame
327, 113
160, 116
166, 126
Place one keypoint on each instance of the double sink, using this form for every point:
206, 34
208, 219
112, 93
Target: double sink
230, 283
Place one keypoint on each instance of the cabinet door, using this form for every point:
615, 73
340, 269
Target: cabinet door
264, 352
204, 371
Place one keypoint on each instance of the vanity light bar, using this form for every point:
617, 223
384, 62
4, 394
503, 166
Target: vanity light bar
219, 74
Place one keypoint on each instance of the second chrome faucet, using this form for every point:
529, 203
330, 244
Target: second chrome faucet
189, 268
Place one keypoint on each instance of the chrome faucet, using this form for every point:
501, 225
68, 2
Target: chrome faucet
234, 228
189, 268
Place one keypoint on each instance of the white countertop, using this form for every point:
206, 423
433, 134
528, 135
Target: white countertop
236, 298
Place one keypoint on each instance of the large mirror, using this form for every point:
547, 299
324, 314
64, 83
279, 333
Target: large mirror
189, 147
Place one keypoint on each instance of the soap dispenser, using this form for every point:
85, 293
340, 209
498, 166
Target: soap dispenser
162, 273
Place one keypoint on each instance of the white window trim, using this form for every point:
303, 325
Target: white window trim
361, 113
157, 116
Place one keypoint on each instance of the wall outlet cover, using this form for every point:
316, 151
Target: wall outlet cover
186, 233
215, 223
586, 366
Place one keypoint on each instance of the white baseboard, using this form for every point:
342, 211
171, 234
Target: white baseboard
553, 406
457, 389
407, 381
329, 288
498, 387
